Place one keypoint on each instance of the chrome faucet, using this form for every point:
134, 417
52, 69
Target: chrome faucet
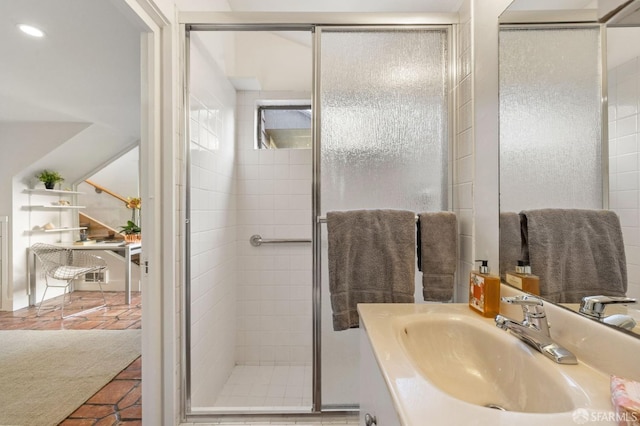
594, 306
534, 329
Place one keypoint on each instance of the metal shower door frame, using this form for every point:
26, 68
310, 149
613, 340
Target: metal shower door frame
302, 22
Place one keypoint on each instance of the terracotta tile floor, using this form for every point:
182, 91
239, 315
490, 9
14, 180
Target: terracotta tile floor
118, 402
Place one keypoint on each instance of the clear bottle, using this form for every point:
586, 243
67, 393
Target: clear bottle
523, 279
484, 291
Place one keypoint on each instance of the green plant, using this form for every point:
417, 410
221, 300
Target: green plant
130, 228
50, 178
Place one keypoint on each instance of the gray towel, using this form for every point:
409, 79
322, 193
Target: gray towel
371, 260
438, 250
510, 242
575, 253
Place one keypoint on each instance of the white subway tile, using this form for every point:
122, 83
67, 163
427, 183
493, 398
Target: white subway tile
266, 156
300, 171
631, 235
281, 201
301, 186
626, 126
281, 156
266, 171
282, 187
612, 129
465, 169
627, 70
464, 195
629, 217
627, 181
280, 172
627, 163
301, 156
627, 98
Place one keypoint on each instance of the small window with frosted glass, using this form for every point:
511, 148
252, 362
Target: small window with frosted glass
284, 127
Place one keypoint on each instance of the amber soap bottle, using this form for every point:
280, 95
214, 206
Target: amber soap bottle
523, 279
484, 291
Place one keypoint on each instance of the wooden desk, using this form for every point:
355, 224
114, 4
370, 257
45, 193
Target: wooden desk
127, 251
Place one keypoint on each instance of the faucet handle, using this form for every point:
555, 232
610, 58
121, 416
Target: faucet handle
531, 306
522, 300
532, 311
593, 306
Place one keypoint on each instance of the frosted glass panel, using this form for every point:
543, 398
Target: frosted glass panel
384, 120
550, 119
384, 131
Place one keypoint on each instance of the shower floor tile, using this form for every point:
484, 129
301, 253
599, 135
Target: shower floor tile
267, 386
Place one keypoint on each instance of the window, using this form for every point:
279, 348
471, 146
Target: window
284, 127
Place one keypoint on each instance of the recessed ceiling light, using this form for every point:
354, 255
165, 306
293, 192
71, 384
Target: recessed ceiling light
31, 30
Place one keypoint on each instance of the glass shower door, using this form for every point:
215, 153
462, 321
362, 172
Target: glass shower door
382, 98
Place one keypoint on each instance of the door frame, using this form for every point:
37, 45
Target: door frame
157, 181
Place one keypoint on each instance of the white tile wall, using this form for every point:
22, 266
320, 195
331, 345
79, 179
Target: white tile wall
274, 281
624, 160
463, 176
213, 231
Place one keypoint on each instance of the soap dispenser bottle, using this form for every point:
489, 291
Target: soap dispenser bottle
523, 279
484, 291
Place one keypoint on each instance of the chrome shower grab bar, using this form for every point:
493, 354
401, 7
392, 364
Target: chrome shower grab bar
323, 219
257, 240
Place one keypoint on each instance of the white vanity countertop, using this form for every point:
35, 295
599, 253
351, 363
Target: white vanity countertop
419, 402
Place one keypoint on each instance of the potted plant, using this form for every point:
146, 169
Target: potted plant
131, 232
132, 229
50, 178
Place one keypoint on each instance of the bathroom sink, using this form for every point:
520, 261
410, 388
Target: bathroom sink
473, 361
447, 364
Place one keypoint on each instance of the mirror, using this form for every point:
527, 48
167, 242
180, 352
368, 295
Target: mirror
569, 97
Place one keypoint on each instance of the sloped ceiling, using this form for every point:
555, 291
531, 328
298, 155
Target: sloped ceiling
86, 70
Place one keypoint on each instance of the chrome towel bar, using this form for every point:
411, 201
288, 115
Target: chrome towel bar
323, 219
257, 240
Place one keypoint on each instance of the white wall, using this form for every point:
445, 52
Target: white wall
476, 148
484, 42
463, 153
23, 145
624, 161
274, 281
288, 55
213, 229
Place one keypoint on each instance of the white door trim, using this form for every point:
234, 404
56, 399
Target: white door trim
160, 405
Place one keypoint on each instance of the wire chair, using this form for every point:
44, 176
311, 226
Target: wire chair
66, 265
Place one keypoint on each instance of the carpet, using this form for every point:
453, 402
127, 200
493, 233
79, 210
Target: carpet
47, 375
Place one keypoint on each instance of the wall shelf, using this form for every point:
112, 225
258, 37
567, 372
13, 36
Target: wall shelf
52, 191
35, 231
42, 206
57, 207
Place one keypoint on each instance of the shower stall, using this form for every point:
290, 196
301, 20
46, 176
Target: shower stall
286, 123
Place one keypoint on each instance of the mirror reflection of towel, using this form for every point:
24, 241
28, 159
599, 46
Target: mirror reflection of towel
575, 253
371, 260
